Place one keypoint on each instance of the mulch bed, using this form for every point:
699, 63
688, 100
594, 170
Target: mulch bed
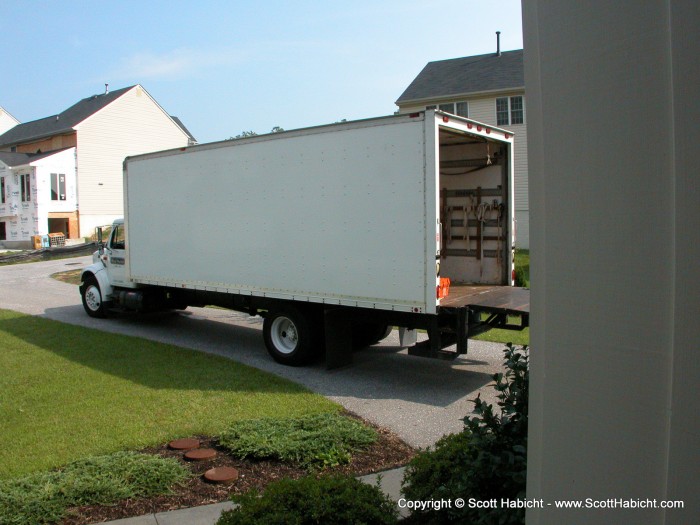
388, 452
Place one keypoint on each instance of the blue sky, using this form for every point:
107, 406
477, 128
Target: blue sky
224, 67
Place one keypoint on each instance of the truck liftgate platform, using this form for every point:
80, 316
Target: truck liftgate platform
478, 308
467, 311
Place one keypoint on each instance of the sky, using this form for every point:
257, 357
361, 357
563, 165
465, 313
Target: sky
224, 67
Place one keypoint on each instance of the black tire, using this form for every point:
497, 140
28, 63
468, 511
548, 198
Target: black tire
93, 302
288, 336
366, 334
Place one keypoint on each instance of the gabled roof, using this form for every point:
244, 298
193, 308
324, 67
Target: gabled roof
461, 76
4, 111
64, 122
183, 128
13, 159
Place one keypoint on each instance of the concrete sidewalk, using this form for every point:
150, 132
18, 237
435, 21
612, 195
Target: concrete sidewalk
390, 482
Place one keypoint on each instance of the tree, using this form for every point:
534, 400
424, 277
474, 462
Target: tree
246, 134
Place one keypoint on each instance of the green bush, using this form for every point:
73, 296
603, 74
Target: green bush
486, 461
316, 441
43, 497
329, 500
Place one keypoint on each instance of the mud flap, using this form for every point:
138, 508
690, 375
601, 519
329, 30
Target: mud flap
338, 329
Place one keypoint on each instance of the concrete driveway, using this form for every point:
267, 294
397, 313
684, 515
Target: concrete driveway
419, 399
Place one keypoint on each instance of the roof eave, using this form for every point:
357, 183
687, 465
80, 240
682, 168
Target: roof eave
446, 98
27, 140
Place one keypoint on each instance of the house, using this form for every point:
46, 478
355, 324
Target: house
101, 130
489, 88
38, 195
7, 121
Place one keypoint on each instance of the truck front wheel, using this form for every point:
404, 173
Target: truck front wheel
288, 336
92, 297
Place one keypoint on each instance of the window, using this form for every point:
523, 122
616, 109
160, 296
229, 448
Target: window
462, 109
456, 108
26, 187
58, 187
118, 241
510, 110
2, 190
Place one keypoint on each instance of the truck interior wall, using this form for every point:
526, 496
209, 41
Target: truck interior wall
473, 211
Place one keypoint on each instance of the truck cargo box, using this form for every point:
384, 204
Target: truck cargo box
368, 214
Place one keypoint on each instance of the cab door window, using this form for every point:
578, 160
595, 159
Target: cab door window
118, 241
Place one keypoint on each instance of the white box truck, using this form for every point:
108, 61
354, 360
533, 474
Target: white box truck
333, 234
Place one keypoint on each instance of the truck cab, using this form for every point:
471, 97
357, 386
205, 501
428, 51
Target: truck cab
107, 271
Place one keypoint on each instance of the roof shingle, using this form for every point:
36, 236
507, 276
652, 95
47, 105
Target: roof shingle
64, 122
459, 76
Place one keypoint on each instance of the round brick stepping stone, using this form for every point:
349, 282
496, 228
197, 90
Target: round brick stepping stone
200, 454
184, 444
221, 475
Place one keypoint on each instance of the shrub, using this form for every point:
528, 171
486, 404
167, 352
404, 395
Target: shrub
310, 500
521, 278
486, 460
43, 497
316, 441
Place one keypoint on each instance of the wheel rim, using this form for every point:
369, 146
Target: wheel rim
284, 335
93, 299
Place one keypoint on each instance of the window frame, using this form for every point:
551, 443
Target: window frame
25, 182
58, 186
453, 107
512, 112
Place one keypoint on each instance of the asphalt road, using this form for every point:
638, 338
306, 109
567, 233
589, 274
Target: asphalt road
419, 399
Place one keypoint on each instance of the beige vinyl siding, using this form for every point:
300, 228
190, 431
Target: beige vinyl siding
483, 109
132, 124
412, 109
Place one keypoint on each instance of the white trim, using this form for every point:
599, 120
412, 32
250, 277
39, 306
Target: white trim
510, 110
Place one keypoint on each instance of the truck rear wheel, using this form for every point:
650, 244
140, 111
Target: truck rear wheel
366, 334
288, 336
92, 297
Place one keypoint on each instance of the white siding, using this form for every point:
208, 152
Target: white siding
614, 405
7, 121
60, 163
20, 215
27, 218
132, 124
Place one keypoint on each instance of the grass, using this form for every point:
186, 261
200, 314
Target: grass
70, 392
70, 277
522, 337
315, 441
44, 497
522, 264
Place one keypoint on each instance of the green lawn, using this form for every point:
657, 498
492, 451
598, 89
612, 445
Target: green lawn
69, 392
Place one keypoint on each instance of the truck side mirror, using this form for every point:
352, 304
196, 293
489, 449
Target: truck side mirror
100, 241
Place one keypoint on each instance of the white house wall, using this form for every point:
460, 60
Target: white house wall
25, 219
21, 217
132, 124
614, 373
60, 163
7, 121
